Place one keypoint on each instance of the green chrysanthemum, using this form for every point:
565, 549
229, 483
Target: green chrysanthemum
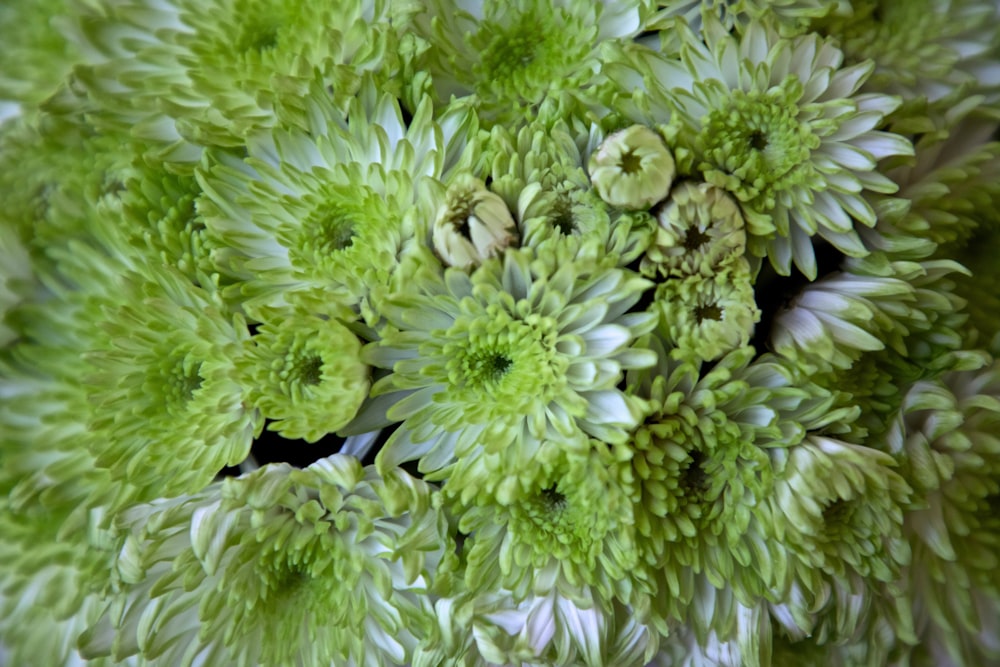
776, 123
180, 73
305, 373
510, 57
953, 184
700, 230
871, 304
55, 568
321, 215
790, 15
569, 530
526, 349
839, 508
168, 410
701, 465
35, 57
945, 434
708, 316
326, 565
929, 48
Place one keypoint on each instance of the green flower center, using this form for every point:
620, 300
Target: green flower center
757, 142
183, 379
505, 360
333, 233
709, 311
309, 369
487, 367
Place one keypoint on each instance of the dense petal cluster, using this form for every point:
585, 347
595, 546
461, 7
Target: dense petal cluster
641, 333
324, 565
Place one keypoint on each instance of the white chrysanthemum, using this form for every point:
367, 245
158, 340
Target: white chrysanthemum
321, 214
527, 349
511, 57
184, 73
778, 124
492, 629
328, 565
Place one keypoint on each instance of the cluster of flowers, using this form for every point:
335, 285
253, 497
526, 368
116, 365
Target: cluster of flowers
518, 332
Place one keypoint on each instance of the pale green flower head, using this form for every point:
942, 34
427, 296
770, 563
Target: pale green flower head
839, 508
632, 168
36, 57
569, 531
701, 464
182, 74
325, 565
777, 123
511, 57
708, 316
333, 203
528, 347
791, 16
700, 230
56, 567
172, 401
304, 373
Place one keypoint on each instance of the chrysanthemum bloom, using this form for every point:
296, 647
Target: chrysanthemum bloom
510, 57
871, 304
790, 15
951, 186
839, 508
702, 469
56, 564
525, 349
779, 125
570, 530
934, 48
708, 316
36, 57
326, 565
183, 74
945, 432
304, 373
700, 230
319, 216
483, 630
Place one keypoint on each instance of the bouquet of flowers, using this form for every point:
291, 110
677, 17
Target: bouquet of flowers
513, 332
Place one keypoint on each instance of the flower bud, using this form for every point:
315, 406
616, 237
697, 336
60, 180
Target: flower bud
472, 225
632, 169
